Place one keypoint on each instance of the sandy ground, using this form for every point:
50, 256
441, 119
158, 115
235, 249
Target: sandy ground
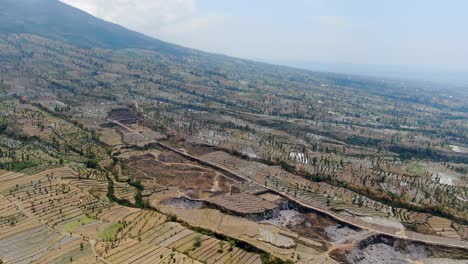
382, 253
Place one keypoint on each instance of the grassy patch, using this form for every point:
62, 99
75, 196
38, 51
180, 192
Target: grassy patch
414, 167
109, 232
18, 165
72, 226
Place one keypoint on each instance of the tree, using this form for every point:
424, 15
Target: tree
197, 241
91, 163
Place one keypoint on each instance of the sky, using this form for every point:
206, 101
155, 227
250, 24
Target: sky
429, 34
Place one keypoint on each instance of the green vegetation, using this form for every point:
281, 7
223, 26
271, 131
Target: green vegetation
92, 163
111, 195
18, 165
266, 257
361, 141
72, 226
109, 233
197, 241
415, 168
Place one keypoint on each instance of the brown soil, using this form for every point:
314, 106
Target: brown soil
172, 157
124, 115
445, 252
339, 255
199, 150
420, 228
313, 227
184, 174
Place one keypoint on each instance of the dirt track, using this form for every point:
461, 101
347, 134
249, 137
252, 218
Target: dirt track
433, 240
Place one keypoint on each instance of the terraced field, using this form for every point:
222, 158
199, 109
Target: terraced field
25, 239
52, 200
50, 217
242, 167
281, 242
242, 203
133, 251
207, 249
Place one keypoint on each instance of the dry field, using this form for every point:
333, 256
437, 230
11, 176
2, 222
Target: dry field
110, 137
172, 170
24, 239
346, 204
133, 251
278, 240
242, 203
248, 169
50, 217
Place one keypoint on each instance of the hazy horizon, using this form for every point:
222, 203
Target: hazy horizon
422, 35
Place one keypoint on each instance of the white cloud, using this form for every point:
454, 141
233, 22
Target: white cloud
165, 19
193, 25
297, 30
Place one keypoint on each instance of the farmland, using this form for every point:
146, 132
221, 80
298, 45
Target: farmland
153, 153
36, 227
204, 204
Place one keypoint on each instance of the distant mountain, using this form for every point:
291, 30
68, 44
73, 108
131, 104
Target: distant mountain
455, 80
54, 20
58, 21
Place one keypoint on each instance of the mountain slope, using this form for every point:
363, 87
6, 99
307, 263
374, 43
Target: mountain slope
55, 20
358, 132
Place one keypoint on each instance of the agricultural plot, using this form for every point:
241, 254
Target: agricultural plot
140, 223
411, 217
133, 251
442, 227
346, 131
157, 198
242, 203
270, 197
41, 243
71, 226
427, 224
53, 201
90, 174
124, 115
135, 139
247, 187
89, 185
39, 227
175, 171
242, 167
146, 237
116, 213
389, 222
206, 218
276, 239
200, 247
249, 231
336, 198
340, 208
26, 158
125, 192
110, 137
128, 153
109, 233
69, 250
56, 141
24, 239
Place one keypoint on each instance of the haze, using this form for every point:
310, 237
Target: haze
427, 35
